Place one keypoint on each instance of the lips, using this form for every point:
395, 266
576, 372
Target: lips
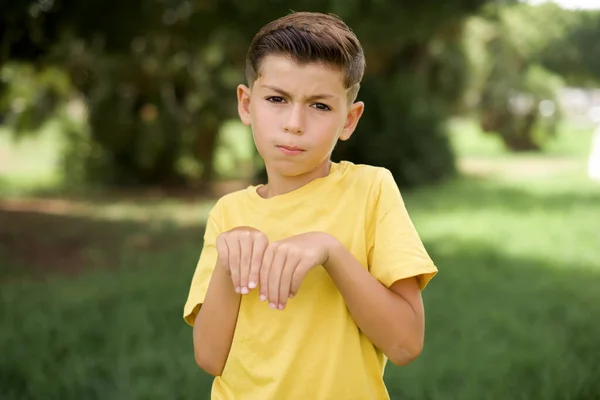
290, 150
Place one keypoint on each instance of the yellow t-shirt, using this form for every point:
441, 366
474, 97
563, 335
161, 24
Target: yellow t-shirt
313, 349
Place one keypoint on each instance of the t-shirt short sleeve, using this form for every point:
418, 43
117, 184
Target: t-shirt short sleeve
204, 268
395, 250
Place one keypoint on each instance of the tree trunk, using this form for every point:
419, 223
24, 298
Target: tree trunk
206, 143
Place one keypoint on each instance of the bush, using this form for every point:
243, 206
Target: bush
402, 129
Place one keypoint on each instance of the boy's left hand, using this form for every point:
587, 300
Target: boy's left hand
286, 263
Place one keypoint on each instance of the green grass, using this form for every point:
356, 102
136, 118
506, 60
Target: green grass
468, 140
511, 315
103, 336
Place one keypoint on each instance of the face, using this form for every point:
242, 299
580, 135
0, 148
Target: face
297, 114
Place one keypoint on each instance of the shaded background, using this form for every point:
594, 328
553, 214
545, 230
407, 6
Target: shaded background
118, 131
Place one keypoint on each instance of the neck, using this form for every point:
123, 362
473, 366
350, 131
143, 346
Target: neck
279, 185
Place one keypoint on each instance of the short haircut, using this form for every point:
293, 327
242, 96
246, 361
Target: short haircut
310, 37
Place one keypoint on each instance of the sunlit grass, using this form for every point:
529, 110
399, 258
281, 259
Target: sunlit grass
30, 162
508, 315
468, 140
572, 139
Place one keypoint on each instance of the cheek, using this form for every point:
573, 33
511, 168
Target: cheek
327, 130
262, 128
261, 117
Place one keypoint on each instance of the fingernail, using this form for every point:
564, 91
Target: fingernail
245, 290
252, 285
263, 297
237, 289
291, 296
281, 307
272, 305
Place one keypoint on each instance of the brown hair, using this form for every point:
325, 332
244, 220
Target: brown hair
309, 37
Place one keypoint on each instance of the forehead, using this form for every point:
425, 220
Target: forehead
290, 75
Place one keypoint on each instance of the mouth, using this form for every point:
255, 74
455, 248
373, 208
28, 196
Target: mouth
290, 150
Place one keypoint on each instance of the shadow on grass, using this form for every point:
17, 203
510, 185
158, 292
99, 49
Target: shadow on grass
106, 334
500, 327
497, 328
35, 244
475, 194
102, 195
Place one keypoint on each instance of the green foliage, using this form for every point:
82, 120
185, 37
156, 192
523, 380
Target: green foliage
30, 96
158, 78
153, 108
402, 130
574, 52
514, 95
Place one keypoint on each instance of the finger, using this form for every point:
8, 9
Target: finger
298, 276
264, 272
245, 242
223, 254
291, 262
259, 246
275, 278
234, 261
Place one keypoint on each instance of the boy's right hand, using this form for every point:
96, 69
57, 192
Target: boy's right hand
241, 253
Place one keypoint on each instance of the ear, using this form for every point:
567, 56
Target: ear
354, 114
243, 96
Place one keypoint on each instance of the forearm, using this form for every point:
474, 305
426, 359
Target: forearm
215, 323
384, 316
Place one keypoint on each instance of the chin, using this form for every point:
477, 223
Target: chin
291, 170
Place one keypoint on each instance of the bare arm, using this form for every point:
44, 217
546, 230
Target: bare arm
240, 253
215, 323
393, 319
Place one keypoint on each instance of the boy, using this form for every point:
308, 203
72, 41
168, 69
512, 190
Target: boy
308, 284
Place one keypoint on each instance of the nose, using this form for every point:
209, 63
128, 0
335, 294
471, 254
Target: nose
295, 121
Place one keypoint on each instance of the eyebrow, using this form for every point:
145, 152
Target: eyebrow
282, 92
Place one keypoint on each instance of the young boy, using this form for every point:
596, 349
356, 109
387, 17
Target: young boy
308, 284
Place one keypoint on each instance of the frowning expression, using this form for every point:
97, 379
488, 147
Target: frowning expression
297, 113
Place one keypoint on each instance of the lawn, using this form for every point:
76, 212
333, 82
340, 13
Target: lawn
511, 315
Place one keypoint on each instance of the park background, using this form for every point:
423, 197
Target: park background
118, 131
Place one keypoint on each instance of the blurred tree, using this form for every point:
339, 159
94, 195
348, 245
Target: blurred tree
574, 50
154, 96
409, 91
29, 97
515, 96
158, 78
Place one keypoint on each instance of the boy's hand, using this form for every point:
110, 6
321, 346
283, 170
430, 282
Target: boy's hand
286, 263
241, 253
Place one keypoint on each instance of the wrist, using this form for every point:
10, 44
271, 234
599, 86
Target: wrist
222, 276
333, 249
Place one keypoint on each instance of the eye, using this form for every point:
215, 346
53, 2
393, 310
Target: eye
275, 99
322, 107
